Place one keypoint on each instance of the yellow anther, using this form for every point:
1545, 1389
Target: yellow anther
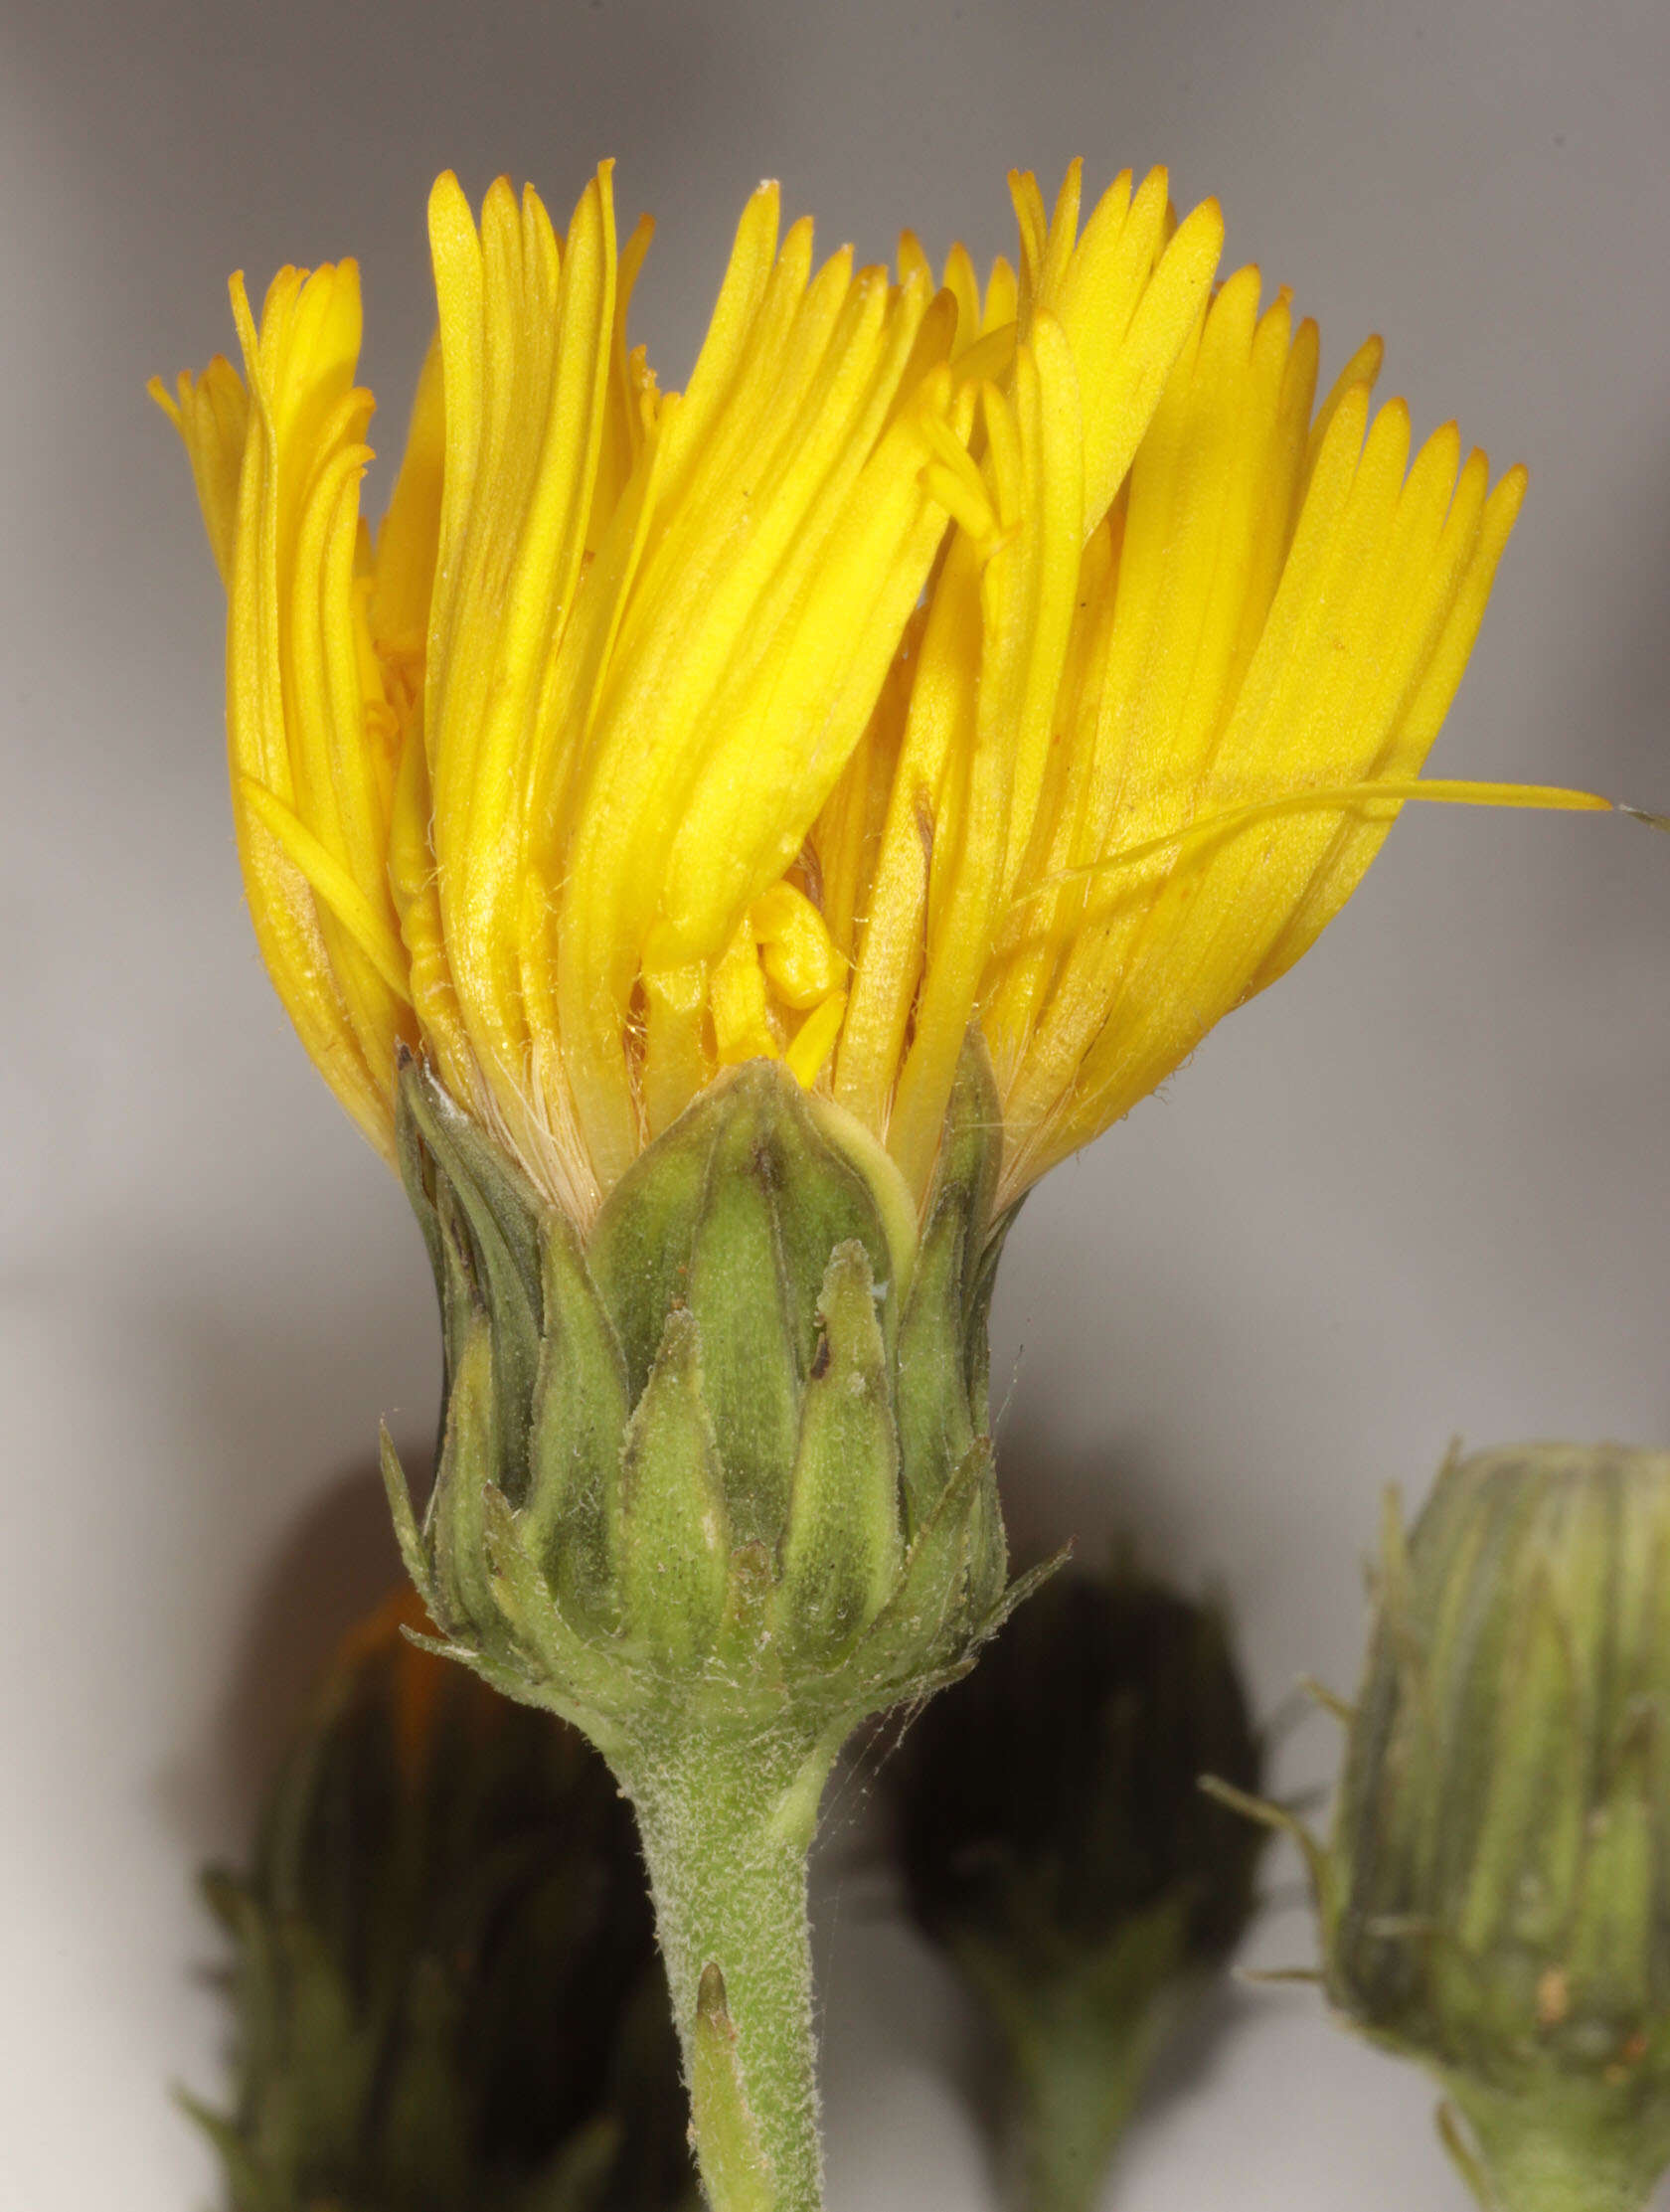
741, 1015
796, 950
814, 1040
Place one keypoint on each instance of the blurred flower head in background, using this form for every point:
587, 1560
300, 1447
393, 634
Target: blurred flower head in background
1056, 1845
445, 1984
1053, 1800
1495, 1897
1036, 654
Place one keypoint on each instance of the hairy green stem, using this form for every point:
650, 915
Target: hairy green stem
726, 1814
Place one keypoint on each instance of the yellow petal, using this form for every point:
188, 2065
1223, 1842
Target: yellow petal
409, 537
291, 721
796, 950
212, 414
533, 367
1126, 302
741, 1016
1036, 654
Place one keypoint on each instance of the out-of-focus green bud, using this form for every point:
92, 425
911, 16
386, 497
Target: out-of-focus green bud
738, 1433
446, 1992
1056, 1842
1496, 1899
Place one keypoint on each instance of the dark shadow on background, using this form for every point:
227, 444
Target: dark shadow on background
899, 2005
1087, 1503
1094, 1498
337, 1561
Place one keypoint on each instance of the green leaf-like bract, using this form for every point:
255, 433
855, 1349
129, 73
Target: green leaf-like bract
728, 1442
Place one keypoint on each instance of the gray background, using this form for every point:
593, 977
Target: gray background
1420, 1189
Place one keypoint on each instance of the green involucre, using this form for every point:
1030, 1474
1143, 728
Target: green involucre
715, 1483
1496, 1898
733, 1445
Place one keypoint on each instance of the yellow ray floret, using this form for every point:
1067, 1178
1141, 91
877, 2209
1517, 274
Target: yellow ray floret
1036, 656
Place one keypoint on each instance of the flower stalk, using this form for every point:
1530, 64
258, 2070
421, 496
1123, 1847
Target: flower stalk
1078, 2067
727, 1815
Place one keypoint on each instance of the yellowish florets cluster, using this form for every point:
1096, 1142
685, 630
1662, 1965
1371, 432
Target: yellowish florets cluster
1037, 654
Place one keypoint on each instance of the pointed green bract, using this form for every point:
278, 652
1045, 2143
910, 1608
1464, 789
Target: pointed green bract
577, 1421
842, 1545
942, 1405
719, 2097
675, 1539
488, 1245
753, 1360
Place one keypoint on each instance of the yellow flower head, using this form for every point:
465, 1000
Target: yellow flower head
1036, 655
